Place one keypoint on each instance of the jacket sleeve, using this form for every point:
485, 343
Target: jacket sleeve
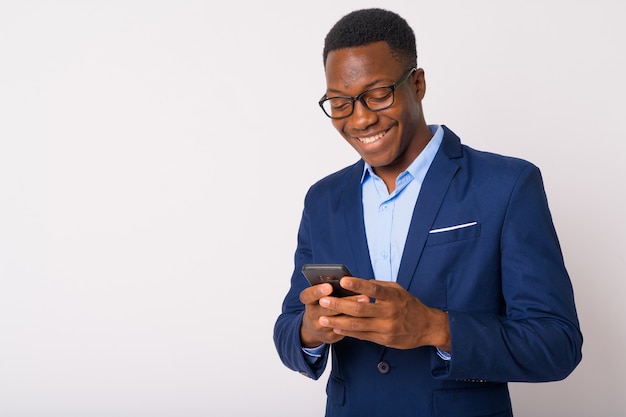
287, 326
287, 341
536, 338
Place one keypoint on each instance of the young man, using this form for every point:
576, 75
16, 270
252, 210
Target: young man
461, 286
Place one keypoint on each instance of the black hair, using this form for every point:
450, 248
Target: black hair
365, 26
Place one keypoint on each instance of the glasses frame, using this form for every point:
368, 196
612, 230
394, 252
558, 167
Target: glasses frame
362, 100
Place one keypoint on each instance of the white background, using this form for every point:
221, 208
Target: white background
154, 156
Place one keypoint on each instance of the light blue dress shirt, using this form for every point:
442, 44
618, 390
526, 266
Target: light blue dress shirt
388, 216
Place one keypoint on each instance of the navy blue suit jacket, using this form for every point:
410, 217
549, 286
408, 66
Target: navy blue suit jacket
502, 281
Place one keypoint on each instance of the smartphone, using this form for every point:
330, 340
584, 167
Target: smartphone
331, 273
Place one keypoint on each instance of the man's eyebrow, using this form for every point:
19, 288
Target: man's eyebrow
366, 87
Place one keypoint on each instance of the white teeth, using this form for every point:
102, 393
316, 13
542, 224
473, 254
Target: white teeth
371, 139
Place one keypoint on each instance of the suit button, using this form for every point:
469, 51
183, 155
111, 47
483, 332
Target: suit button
383, 367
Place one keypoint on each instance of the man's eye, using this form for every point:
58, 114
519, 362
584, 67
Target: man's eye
378, 95
340, 104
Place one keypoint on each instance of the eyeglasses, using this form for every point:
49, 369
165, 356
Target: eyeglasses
374, 99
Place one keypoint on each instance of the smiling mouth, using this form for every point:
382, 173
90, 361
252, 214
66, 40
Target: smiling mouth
370, 139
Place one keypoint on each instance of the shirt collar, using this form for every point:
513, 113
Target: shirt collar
423, 159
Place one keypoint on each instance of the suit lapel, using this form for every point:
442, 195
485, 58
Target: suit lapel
353, 213
431, 196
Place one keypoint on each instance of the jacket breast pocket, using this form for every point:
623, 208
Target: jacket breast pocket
454, 233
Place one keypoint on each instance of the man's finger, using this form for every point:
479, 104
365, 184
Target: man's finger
314, 293
371, 288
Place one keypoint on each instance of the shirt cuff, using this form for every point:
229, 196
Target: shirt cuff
313, 355
315, 352
444, 355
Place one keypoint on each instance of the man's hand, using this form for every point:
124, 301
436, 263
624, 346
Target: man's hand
312, 333
396, 319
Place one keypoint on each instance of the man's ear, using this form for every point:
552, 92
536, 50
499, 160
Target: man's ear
419, 83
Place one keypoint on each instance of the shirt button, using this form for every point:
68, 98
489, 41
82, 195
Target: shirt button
383, 367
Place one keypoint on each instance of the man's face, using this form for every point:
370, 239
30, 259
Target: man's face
388, 139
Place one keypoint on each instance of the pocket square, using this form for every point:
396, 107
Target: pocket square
449, 228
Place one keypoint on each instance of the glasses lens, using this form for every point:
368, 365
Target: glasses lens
337, 107
378, 98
